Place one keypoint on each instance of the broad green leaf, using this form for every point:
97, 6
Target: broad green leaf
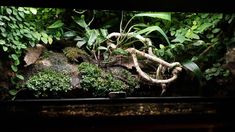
33, 10
204, 15
80, 21
160, 52
2, 42
3, 29
194, 36
44, 35
56, 24
12, 18
104, 32
193, 67
44, 40
203, 27
199, 43
20, 76
80, 43
77, 38
21, 14
50, 40
21, 9
15, 12
161, 15
17, 62
7, 18
169, 53
70, 34
2, 23
4, 48
14, 68
9, 11
36, 35
14, 57
210, 36
23, 46
13, 92
194, 58
180, 39
154, 28
161, 46
92, 34
18, 18
216, 30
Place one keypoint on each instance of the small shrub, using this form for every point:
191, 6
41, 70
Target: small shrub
47, 83
98, 82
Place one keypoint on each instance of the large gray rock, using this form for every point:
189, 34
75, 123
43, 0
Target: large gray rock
54, 61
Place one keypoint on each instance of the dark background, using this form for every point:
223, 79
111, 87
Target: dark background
156, 5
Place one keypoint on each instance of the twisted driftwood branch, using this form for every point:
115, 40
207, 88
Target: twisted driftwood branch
175, 65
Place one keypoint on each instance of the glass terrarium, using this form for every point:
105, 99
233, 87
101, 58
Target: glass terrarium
114, 65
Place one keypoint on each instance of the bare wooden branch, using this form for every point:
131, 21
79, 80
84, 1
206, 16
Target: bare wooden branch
175, 65
175, 71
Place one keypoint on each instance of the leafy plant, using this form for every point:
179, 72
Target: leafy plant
48, 82
98, 82
89, 38
16, 33
49, 23
196, 24
23, 27
216, 71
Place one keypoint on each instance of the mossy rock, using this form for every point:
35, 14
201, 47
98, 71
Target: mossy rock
100, 82
50, 60
48, 83
74, 54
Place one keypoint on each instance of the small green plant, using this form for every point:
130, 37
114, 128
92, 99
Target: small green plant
50, 21
18, 31
216, 71
48, 82
16, 34
98, 82
73, 53
125, 76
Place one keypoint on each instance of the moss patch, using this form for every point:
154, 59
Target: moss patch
75, 54
48, 82
99, 82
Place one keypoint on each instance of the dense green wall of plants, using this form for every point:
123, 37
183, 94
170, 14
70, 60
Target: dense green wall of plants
202, 38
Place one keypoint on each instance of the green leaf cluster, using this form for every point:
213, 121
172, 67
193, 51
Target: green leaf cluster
48, 82
195, 26
216, 71
99, 82
86, 36
16, 33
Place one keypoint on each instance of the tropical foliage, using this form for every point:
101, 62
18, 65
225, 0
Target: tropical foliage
198, 41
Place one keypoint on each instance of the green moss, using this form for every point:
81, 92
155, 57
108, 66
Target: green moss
48, 82
126, 76
73, 53
46, 54
97, 81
